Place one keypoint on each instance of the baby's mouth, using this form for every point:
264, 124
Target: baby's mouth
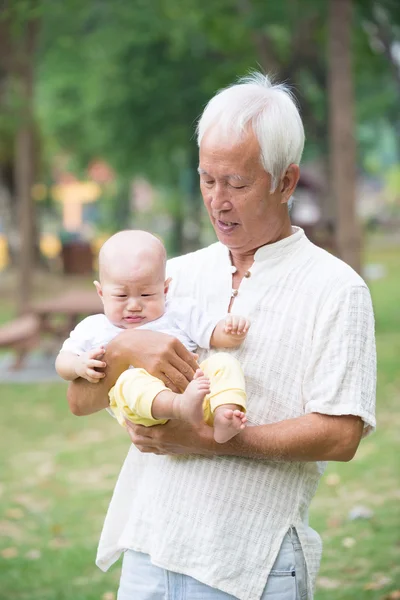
134, 318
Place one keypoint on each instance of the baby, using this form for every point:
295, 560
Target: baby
133, 288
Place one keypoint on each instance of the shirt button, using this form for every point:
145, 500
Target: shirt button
235, 293
247, 274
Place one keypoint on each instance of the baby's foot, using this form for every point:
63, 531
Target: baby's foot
228, 423
191, 401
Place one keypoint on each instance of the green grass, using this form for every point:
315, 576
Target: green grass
370, 567
58, 472
58, 477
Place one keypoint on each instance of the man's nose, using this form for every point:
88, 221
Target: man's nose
220, 199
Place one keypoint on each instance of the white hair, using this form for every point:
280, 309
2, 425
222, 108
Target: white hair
270, 110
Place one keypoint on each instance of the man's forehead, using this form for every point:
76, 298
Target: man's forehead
236, 176
229, 161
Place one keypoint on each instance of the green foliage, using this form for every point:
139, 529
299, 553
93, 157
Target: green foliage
127, 80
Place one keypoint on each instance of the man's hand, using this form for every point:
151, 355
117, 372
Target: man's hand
166, 358
161, 355
175, 437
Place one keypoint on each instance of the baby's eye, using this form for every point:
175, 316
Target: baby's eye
147, 295
120, 296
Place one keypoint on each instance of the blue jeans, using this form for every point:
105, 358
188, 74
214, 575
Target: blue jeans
141, 580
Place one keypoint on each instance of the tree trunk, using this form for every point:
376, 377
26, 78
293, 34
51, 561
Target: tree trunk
176, 244
342, 140
192, 207
24, 168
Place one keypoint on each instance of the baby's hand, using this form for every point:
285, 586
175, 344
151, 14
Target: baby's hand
87, 363
236, 326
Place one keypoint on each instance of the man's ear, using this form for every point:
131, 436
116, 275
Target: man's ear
166, 285
288, 183
98, 289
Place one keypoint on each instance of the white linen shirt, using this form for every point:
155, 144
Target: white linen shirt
310, 348
182, 319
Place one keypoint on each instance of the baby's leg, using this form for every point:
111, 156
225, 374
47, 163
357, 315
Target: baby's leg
228, 421
187, 406
227, 401
191, 401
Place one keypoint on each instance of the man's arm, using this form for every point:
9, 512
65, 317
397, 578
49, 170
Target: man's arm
161, 355
313, 437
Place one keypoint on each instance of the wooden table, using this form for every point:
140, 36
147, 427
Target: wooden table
60, 314
54, 317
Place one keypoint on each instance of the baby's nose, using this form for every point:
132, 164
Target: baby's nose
134, 305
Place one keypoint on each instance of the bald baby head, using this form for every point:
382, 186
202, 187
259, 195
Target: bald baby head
132, 282
129, 252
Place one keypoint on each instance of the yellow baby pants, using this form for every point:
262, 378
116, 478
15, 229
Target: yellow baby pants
133, 394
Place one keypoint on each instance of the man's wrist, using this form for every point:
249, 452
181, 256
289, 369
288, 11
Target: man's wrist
119, 351
237, 446
242, 445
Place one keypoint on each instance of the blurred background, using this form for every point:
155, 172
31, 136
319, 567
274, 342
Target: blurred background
98, 105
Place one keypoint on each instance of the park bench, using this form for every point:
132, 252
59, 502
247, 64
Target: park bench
54, 317
60, 314
21, 335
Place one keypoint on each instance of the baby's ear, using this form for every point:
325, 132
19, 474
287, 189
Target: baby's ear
166, 285
98, 289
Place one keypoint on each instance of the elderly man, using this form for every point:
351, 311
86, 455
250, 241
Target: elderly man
202, 520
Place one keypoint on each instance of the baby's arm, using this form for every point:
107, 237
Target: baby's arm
70, 366
230, 332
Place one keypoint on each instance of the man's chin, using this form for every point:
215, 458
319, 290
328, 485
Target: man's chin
228, 238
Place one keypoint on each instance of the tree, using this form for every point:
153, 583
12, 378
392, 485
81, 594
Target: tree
19, 27
342, 132
127, 80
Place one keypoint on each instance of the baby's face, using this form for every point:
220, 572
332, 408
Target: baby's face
133, 299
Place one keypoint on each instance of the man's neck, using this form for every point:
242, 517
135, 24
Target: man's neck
244, 260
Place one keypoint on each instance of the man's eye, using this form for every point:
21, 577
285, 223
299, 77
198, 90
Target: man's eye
237, 187
208, 183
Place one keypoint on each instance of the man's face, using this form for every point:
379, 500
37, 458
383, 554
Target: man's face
236, 192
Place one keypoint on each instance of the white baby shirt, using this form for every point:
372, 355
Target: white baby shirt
182, 319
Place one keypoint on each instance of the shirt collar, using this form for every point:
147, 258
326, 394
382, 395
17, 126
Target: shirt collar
282, 248
277, 250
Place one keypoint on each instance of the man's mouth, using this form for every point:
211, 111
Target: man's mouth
226, 226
